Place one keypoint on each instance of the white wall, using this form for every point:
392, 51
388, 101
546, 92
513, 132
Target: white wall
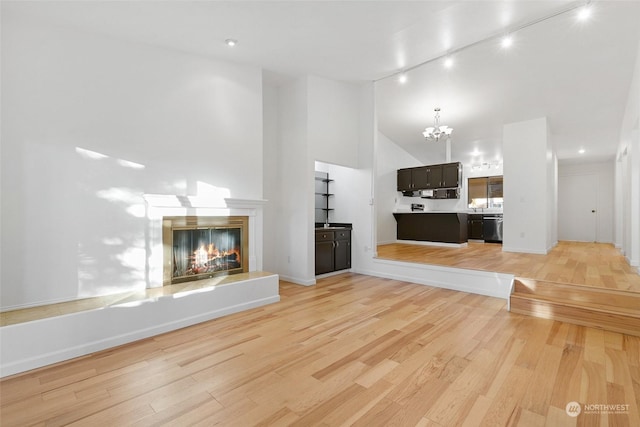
526, 186
389, 158
627, 175
332, 109
90, 124
296, 186
604, 172
628, 168
552, 195
318, 120
272, 178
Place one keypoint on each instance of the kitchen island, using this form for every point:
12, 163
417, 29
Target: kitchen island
432, 226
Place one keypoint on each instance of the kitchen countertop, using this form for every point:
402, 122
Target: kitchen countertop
428, 212
408, 211
332, 228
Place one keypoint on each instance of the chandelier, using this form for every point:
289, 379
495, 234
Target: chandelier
436, 132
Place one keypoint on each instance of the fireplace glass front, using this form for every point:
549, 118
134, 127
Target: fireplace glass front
200, 251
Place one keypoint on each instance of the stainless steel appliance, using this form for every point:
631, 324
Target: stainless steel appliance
492, 228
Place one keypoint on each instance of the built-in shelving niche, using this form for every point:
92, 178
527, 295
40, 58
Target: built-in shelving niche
323, 198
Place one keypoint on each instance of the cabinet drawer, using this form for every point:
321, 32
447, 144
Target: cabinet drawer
323, 236
343, 234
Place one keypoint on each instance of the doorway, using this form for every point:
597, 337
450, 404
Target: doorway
577, 202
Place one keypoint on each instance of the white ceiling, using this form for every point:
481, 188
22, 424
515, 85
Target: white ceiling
576, 75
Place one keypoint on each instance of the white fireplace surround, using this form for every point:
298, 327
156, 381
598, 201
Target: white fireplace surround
160, 205
67, 336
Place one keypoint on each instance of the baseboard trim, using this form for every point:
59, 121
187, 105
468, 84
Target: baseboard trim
298, 280
523, 250
334, 273
440, 244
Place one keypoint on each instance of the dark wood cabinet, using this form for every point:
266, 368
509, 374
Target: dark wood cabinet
444, 227
451, 175
419, 178
342, 250
405, 180
475, 227
429, 177
434, 174
324, 256
333, 250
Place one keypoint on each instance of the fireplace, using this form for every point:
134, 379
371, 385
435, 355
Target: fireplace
201, 247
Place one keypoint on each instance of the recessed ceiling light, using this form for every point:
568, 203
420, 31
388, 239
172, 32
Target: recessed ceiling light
507, 42
448, 62
231, 42
584, 13
581, 151
402, 78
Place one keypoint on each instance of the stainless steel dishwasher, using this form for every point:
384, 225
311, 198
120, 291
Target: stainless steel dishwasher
492, 228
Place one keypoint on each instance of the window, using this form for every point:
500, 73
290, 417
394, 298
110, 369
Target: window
485, 192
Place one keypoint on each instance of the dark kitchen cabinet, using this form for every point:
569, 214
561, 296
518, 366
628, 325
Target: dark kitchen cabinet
475, 227
405, 182
419, 177
342, 250
434, 174
324, 252
451, 175
333, 250
430, 177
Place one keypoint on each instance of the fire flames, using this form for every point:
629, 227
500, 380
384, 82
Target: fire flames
208, 259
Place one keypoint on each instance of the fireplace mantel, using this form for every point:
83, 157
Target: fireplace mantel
165, 205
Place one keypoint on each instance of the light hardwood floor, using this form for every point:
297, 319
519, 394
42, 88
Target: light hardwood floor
591, 264
353, 350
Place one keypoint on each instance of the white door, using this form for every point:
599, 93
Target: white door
577, 201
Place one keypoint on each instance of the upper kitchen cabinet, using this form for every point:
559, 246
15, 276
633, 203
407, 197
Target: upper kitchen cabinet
405, 181
430, 177
433, 177
451, 175
426, 177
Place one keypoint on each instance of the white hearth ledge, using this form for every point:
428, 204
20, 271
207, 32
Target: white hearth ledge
38, 343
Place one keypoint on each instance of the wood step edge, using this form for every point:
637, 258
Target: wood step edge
624, 302
602, 308
586, 288
606, 324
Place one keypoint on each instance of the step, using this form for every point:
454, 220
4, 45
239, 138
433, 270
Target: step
607, 309
616, 298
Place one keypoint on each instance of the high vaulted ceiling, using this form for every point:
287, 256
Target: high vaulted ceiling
575, 74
